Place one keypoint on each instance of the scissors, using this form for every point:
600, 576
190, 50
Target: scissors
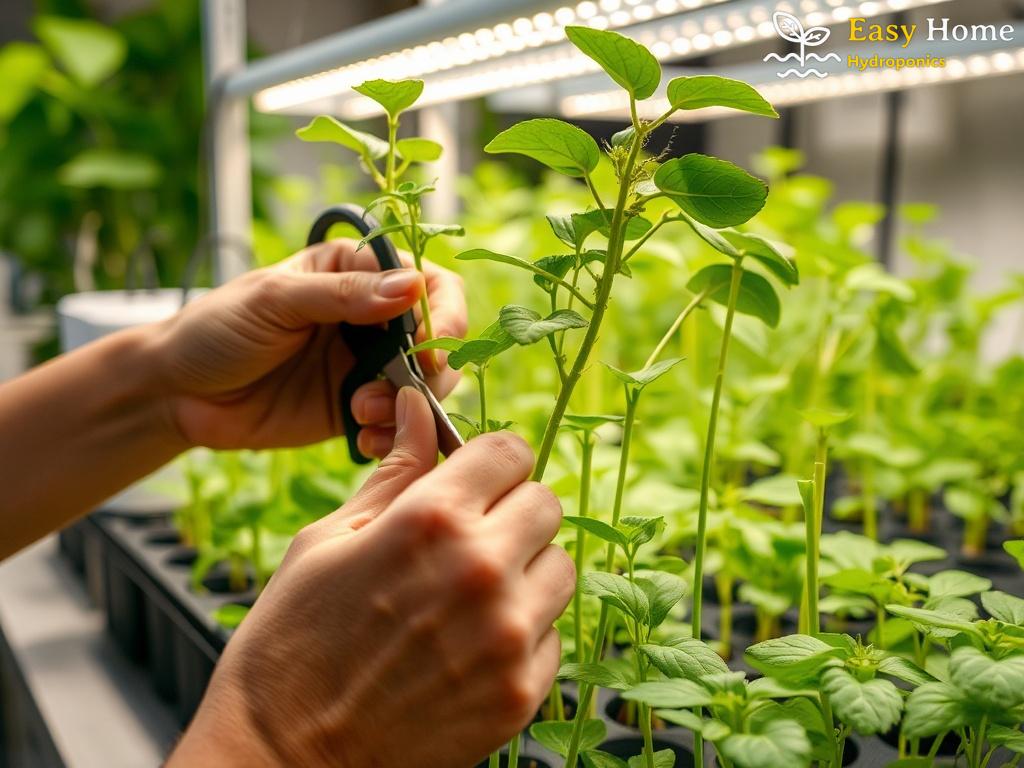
380, 349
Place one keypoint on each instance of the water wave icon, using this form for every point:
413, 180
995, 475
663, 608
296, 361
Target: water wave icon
803, 74
791, 29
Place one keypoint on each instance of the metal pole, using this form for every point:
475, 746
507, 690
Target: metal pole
889, 192
441, 123
227, 141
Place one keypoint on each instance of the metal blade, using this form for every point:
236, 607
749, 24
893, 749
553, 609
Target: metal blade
400, 373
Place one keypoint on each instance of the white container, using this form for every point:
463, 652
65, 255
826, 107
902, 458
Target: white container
86, 317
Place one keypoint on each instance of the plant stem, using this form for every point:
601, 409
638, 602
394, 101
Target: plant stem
709, 453
416, 246
724, 582
586, 690
705, 479
917, 510
676, 325
830, 729
615, 244
870, 503
481, 378
389, 172
880, 626
584, 510
513, 751
494, 761
813, 527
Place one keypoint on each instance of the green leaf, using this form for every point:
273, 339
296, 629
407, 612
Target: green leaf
756, 295
935, 708
557, 144
670, 694
774, 491
991, 683
446, 343
477, 351
395, 97
685, 658
417, 150
527, 327
869, 707
714, 192
791, 657
594, 758
588, 423
600, 674
771, 743
928, 618
663, 591
111, 169
600, 529
22, 67
903, 669
663, 758
712, 91
683, 717
482, 254
624, 137
324, 128
1016, 550
776, 257
957, 584
1011, 738
620, 592
88, 51
640, 530
874, 279
645, 376
823, 419
628, 63
230, 615
556, 735
1003, 607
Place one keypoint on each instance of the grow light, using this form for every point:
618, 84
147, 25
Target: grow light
531, 49
962, 63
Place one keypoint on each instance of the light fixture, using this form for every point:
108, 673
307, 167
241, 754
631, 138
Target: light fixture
529, 50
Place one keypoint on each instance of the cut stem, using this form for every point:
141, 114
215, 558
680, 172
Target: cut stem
813, 527
584, 510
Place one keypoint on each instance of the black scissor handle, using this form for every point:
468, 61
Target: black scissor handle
372, 346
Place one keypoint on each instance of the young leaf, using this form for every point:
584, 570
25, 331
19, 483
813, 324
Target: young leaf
685, 658
649, 375
823, 419
87, 50
1003, 607
663, 758
991, 683
556, 735
595, 758
928, 618
776, 257
395, 97
482, 254
446, 343
325, 128
795, 656
588, 423
712, 91
1011, 738
869, 707
670, 694
624, 137
600, 529
903, 669
620, 592
774, 491
640, 530
557, 144
476, 351
628, 63
772, 743
230, 615
417, 150
98, 168
957, 584
756, 296
935, 708
714, 192
527, 327
601, 674
663, 591
1016, 550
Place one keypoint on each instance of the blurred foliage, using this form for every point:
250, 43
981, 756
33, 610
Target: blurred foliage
101, 128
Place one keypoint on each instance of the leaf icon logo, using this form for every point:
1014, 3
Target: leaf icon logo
789, 27
816, 36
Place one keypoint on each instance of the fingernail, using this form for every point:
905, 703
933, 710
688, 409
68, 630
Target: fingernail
401, 407
397, 283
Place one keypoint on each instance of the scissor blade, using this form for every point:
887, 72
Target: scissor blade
401, 374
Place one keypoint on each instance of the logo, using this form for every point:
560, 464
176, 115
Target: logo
789, 28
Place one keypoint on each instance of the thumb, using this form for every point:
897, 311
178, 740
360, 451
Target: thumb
414, 455
360, 298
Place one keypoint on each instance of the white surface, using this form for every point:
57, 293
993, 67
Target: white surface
99, 708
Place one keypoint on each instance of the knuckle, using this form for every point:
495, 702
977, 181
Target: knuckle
268, 286
346, 287
432, 521
479, 574
510, 638
565, 576
516, 696
546, 506
508, 450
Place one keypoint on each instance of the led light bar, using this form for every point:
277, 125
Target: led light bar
530, 50
963, 62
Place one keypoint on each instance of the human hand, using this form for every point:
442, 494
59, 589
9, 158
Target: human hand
258, 363
412, 628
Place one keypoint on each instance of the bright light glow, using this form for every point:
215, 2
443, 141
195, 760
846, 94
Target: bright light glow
526, 51
615, 104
